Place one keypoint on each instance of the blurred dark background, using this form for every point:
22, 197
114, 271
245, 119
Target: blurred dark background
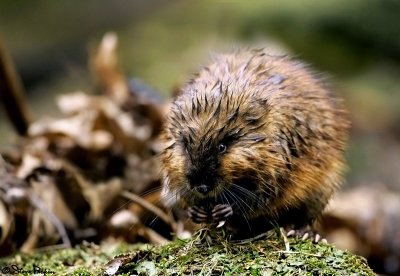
357, 43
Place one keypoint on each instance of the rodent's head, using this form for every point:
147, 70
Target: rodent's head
216, 142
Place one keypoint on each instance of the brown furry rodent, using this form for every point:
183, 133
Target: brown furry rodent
255, 140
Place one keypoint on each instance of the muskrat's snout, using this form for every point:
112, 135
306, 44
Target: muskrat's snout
200, 181
203, 185
203, 189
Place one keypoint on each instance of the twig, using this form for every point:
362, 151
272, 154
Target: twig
151, 207
51, 248
105, 68
285, 239
39, 204
295, 252
152, 236
12, 93
252, 239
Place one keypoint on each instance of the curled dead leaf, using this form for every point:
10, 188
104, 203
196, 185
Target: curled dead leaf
5, 222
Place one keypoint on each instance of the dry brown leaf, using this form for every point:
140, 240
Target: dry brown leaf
5, 222
79, 128
73, 103
358, 221
46, 188
124, 219
101, 195
152, 236
113, 265
105, 68
70, 171
141, 172
34, 234
29, 163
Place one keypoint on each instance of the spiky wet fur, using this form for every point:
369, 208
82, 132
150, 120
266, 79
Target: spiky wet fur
285, 135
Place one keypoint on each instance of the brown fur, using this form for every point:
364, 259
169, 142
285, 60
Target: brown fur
285, 135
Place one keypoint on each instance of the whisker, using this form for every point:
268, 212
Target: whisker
241, 208
243, 205
249, 194
150, 191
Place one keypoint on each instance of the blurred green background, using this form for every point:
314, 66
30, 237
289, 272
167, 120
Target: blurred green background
357, 43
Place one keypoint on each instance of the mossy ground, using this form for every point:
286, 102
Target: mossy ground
85, 259
264, 257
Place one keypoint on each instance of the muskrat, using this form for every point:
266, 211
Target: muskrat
256, 140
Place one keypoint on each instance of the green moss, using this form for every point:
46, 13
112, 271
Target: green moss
82, 260
257, 258
265, 257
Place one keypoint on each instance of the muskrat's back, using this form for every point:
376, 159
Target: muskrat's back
254, 139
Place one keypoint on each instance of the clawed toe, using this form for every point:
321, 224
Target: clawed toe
197, 214
306, 234
291, 233
221, 212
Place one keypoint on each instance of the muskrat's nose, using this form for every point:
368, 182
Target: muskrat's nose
203, 189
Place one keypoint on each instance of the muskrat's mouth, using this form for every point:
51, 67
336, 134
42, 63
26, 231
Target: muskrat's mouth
241, 194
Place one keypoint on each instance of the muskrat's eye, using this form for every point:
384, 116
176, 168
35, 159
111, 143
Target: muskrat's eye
221, 148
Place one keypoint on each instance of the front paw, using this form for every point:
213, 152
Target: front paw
198, 214
221, 212
306, 233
